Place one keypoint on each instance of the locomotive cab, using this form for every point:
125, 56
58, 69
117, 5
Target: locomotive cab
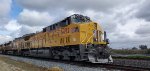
99, 51
92, 38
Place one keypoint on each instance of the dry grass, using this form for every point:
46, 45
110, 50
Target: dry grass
22, 65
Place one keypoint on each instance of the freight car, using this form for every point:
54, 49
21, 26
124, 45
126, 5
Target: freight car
75, 38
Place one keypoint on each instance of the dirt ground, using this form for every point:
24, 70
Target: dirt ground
7, 64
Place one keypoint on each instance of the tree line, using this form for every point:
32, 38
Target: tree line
142, 49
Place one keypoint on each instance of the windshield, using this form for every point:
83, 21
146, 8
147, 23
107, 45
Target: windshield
80, 18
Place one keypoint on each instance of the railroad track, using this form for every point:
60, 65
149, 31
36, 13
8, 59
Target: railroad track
91, 65
108, 66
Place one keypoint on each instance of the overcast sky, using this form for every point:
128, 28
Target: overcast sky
127, 22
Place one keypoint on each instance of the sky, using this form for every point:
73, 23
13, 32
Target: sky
127, 22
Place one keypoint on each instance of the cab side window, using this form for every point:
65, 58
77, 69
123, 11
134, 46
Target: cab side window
75, 29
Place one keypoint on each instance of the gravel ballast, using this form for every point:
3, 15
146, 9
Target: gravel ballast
66, 67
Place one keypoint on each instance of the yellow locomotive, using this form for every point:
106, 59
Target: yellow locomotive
75, 38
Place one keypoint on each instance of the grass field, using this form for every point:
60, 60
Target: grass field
139, 57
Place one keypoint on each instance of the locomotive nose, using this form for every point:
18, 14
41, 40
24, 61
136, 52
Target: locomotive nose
99, 55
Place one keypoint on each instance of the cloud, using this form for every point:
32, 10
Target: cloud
12, 25
5, 7
143, 30
134, 33
78, 5
35, 4
25, 29
105, 20
34, 18
122, 40
28, 29
3, 21
143, 11
32, 21
5, 38
28, 21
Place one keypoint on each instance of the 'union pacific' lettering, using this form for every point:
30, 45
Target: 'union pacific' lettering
64, 30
